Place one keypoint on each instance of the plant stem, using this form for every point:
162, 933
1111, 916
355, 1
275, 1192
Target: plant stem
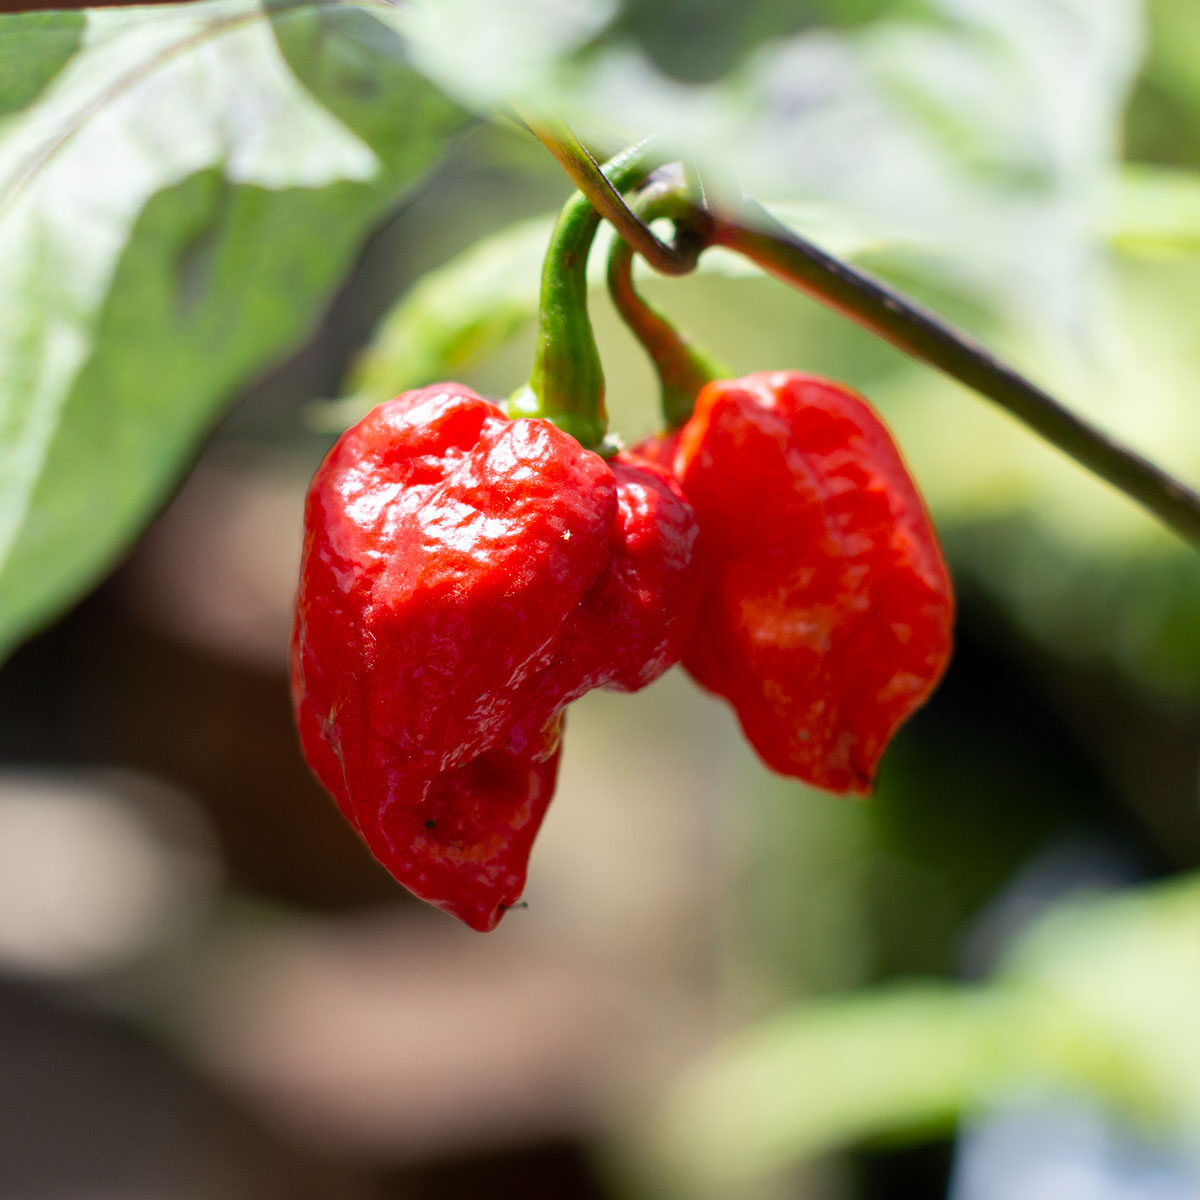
566, 383
683, 369
755, 234
593, 181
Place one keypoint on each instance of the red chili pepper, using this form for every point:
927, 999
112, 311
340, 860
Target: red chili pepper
827, 609
464, 577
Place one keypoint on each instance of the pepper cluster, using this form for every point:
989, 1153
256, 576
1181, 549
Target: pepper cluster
469, 570
465, 576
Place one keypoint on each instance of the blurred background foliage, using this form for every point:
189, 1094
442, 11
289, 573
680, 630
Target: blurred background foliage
981, 983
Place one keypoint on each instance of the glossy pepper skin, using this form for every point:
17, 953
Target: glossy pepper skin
464, 576
827, 610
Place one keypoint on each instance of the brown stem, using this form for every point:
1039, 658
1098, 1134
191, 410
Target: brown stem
755, 234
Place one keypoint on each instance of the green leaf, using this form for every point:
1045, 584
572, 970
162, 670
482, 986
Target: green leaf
908, 125
1155, 210
449, 319
35, 47
1124, 971
175, 208
488, 51
1099, 996
907, 1059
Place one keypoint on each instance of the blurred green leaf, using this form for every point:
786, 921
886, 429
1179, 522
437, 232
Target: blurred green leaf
826, 1075
1099, 996
1156, 209
1163, 123
35, 48
175, 207
906, 124
488, 52
1124, 974
449, 319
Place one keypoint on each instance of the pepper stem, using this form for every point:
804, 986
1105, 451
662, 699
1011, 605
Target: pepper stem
683, 368
566, 384
596, 183
749, 230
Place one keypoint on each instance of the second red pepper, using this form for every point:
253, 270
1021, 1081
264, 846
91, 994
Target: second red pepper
827, 610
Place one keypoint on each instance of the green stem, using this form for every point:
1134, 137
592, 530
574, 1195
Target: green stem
604, 195
759, 237
683, 369
566, 384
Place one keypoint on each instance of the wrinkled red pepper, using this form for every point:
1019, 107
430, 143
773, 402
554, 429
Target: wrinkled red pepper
827, 610
464, 577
